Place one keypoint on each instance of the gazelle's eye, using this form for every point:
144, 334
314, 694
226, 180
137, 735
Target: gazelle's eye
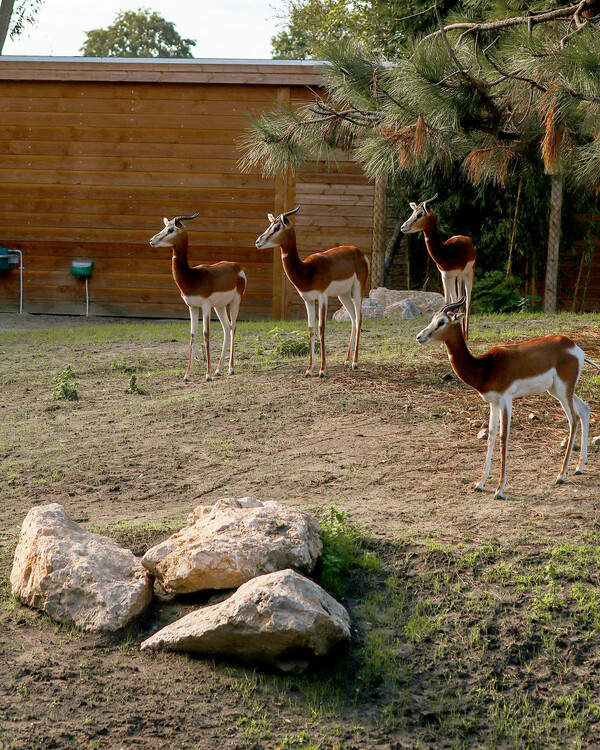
171, 229
419, 214
277, 227
440, 323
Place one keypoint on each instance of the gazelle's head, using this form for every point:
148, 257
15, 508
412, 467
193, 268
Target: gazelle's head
419, 218
275, 234
442, 323
173, 231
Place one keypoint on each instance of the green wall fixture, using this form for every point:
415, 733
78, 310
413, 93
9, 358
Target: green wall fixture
82, 268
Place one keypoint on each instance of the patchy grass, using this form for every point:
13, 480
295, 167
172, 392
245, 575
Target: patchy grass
475, 622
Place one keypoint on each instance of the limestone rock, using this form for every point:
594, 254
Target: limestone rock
280, 618
482, 434
406, 309
232, 542
370, 309
75, 576
427, 303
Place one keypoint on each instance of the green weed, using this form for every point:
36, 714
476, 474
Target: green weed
65, 385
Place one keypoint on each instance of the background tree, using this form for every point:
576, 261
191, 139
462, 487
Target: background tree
379, 25
140, 33
501, 93
15, 15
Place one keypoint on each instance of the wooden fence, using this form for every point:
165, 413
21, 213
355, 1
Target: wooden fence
93, 154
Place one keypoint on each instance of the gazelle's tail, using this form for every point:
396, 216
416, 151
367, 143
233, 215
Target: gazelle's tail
589, 361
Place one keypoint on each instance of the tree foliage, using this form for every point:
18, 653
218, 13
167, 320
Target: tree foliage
499, 94
140, 33
379, 25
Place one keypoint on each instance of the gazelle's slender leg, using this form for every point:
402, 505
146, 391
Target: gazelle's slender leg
310, 312
468, 280
566, 400
234, 309
206, 332
583, 412
492, 432
224, 319
194, 315
322, 318
357, 300
505, 417
447, 284
346, 300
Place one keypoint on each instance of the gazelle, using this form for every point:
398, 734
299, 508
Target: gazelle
340, 272
455, 258
549, 363
202, 288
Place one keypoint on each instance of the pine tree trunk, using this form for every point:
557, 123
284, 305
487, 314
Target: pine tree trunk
6, 9
379, 234
553, 244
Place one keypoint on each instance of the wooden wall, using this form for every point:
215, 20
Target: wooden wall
94, 153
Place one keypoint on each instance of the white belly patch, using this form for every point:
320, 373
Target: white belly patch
217, 299
333, 290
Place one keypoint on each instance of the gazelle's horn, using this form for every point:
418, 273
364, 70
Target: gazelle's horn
289, 213
186, 218
454, 305
429, 200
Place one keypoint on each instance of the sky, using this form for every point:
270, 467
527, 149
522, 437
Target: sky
222, 28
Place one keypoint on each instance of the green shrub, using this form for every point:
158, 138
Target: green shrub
65, 386
494, 292
134, 387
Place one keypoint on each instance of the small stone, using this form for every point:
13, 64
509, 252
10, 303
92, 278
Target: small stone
576, 444
532, 416
596, 440
482, 434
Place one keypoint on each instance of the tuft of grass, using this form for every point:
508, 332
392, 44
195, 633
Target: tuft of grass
134, 387
289, 343
65, 385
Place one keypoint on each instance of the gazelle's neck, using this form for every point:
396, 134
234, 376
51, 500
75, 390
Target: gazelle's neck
179, 261
468, 368
292, 264
433, 241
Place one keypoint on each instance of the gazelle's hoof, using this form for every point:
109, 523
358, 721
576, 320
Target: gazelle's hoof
186, 378
560, 479
308, 374
208, 376
478, 487
355, 365
499, 495
322, 374
231, 371
347, 363
578, 471
218, 373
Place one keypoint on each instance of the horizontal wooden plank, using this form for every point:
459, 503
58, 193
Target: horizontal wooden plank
139, 91
74, 148
160, 71
89, 131
137, 122
129, 179
136, 265
137, 107
263, 194
19, 205
156, 165
15, 235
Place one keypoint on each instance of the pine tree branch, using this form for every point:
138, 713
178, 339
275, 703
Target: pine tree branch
530, 19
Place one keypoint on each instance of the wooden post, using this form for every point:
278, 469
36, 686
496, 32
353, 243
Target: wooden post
553, 244
379, 238
284, 197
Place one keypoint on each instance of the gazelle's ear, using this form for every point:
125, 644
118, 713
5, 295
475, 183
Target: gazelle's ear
166, 221
457, 315
413, 206
271, 218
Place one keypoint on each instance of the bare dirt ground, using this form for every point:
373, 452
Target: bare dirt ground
393, 444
